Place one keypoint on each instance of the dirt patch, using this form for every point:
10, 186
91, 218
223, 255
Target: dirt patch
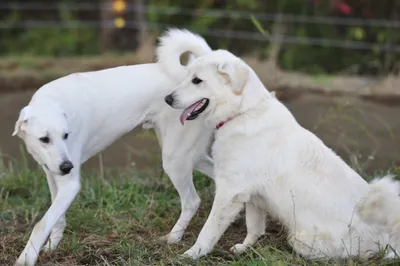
23, 74
365, 133
30, 74
288, 94
357, 117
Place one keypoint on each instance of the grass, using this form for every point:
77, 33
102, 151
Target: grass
117, 220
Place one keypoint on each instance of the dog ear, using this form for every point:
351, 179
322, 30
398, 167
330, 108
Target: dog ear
236, 74
24, 115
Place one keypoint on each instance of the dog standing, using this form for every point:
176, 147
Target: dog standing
75, 117
264, 160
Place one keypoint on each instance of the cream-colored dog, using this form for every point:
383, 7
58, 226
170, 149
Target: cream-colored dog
265, 161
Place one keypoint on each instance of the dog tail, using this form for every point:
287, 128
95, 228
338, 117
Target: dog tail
175, 42
380, 206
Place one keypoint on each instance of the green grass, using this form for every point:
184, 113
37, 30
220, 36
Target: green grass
118, 220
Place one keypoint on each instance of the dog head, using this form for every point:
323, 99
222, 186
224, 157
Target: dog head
215, 85
45, 133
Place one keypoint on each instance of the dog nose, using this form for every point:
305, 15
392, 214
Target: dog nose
66, 167
169, 99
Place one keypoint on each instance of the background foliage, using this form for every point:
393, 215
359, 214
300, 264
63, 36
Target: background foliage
83, 40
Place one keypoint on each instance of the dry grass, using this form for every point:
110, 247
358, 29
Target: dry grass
117, 221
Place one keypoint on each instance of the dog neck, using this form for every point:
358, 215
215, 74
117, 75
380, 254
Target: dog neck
259, 108
220, 124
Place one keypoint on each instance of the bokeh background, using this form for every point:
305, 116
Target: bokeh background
334, 63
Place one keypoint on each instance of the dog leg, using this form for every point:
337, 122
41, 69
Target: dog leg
180, 173
69, 187
314, 245
206, 166
224, 210
255, 223
57, 232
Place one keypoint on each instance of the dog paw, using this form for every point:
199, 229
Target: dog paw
23, 262
48, 247
171, 238
51, 245
390, 254
26, 258
238, 248
191, 254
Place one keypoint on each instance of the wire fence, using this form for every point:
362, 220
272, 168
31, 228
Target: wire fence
215, 13
209, 13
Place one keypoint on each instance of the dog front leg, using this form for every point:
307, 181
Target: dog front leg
255, 223
57, 232
68, 188
179, 171
224, 210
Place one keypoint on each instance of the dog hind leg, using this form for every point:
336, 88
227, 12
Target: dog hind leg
206, 165
179, 171
313, 245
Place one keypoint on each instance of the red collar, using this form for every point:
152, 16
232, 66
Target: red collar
223, 123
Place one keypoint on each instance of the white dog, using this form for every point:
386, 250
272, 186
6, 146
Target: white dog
264, 160
73, 118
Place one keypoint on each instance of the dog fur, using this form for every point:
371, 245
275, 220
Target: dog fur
380, 208
266, 162
81, 114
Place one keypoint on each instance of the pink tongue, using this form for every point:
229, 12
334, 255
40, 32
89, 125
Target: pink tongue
187, 111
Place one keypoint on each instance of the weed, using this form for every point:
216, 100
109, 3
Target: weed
118, 220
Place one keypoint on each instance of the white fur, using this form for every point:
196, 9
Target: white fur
264, 160
95, 109
380, 207
167, 54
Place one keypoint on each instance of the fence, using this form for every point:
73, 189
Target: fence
207, 13
311, 43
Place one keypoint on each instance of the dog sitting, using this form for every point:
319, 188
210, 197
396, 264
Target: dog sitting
266, 162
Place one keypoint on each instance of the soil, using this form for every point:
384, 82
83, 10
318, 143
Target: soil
364, 132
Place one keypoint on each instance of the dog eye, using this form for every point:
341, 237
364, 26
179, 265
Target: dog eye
196, 80
65, 136
45, 139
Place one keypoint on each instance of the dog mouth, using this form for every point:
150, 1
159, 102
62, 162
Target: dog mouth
194, 110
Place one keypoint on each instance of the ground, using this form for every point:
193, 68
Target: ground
118, 218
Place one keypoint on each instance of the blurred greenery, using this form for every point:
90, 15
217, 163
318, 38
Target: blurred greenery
80, 40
